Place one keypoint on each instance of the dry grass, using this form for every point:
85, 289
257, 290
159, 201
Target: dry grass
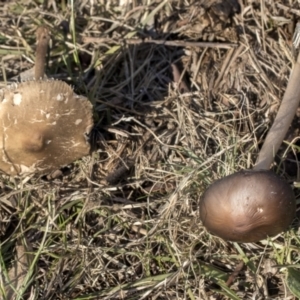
123, 223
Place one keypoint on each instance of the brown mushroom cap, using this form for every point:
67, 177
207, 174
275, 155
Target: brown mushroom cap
248, 206
44, 126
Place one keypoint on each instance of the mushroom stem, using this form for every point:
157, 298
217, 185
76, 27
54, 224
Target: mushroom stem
43, 38
284, 117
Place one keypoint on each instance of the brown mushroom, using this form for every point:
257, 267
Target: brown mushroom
248, 206
251, 205
44, 125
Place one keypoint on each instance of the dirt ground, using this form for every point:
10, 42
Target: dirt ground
183, 93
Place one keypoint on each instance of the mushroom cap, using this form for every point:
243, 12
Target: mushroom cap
44, 126
248, 206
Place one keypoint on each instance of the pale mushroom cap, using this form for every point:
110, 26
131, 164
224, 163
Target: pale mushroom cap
248, 206
44, 126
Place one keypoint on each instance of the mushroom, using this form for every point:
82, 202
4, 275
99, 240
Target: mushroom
252, 205
248, 206
44, 124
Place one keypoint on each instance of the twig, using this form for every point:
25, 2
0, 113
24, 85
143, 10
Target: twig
17, 274
288, 9
177, 78
235, 273
175, 43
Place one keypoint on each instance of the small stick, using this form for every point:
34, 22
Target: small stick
235, 273
282, 122
182, 86
17, 280
176, 43
42, 38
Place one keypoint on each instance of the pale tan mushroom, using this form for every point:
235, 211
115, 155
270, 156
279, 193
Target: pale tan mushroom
44, 124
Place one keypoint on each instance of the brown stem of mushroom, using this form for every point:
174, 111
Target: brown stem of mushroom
43, 38
243, 207
282, 122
